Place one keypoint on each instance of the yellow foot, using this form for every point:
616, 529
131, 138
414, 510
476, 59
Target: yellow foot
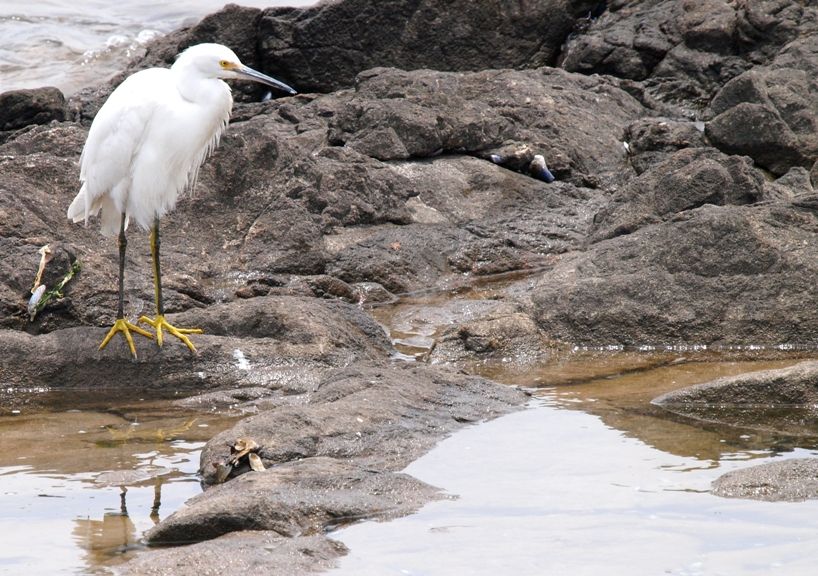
159, 323
122, 325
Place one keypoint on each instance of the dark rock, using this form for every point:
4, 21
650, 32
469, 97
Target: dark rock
627, 42
768, 114
330, 287
396, 115
60, 141
709, 26
246, 552
398, 258
21, 108
282, 342
355, 414
795, 186
652, 140
293, 499
687, 179
281, 196
758, 132
324, 47
685, 51
713, 275
792, 480
502, 333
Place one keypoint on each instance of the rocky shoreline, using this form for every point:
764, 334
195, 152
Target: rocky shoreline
682, 135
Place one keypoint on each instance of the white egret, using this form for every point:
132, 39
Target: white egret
145, 147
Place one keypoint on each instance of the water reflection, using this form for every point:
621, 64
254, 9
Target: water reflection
80, 483
594, 479
558, 491
616, 383
116, 534
102, 539
619, 387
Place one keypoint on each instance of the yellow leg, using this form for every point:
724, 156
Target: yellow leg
122, 325
159, 323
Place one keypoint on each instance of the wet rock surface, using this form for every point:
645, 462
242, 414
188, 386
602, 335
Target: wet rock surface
247, 551
284, 341
296, 498
681, 135
789, 481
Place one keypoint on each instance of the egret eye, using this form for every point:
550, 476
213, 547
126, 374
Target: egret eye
224, 63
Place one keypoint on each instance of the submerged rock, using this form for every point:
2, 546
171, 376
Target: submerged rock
783, 401
793, 386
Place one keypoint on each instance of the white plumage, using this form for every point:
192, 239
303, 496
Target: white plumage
150, 138
145, 148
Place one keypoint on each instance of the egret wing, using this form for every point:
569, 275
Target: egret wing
116, 136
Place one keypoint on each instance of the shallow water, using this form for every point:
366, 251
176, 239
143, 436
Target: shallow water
583, 482
558, 492
74, 44
593, 478
62, 507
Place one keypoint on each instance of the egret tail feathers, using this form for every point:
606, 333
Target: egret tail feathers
77, 210
110, 218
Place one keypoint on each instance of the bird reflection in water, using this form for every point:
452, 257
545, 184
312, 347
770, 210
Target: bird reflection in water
116, 534
111, 538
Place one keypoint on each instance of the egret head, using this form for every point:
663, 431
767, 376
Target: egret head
217, 61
